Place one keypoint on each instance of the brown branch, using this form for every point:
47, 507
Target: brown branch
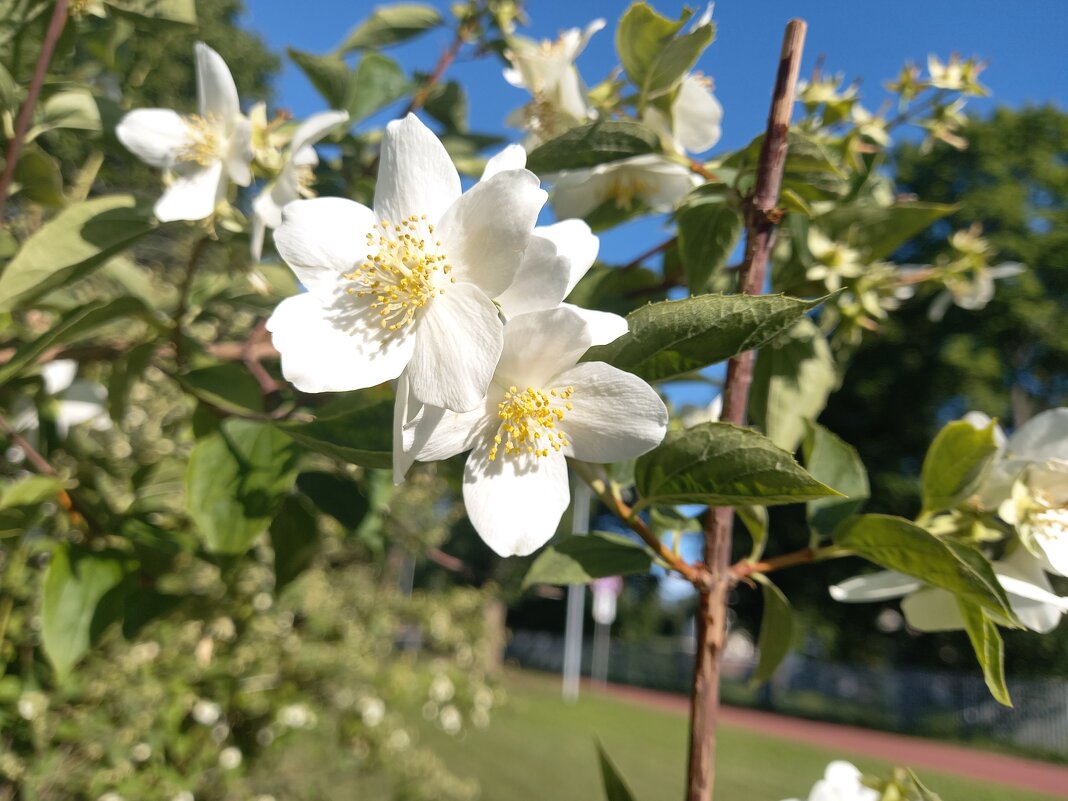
419, 98
250, 356
761, 217
55, 28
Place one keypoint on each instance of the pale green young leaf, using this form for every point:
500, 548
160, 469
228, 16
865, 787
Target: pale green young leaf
675, 337
989, 648
708, 234
837, 464
593, 144
776, 630
641, 38
722, 465
615, 789
792, 380
236, 480
68, 246
388, 25
580, 560
355, 431
81, 596
956, 463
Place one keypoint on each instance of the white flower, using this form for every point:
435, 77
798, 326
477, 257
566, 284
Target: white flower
653, 180
547, 70
835, 261
542, 406
202, 151
1038, 509
74, 402
694, 122
230, 757
841, 782
451, 720
206, 713
933, 609
408, 285
294, 177
372, 711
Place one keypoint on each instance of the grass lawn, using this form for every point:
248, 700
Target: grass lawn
539, 749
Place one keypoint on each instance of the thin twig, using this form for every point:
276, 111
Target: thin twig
648, 255
419, 98
55, 28
761, 217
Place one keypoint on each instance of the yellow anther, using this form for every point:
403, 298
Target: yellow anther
528, 422
203, 146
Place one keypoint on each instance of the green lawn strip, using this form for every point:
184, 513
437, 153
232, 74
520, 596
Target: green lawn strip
539, 748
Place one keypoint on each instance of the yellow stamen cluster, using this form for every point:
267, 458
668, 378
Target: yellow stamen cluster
623, 188
1050, 525
304, 174
203, 147
399, 270
530, 419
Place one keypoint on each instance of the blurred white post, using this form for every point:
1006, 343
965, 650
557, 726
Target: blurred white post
576, 600
605, 594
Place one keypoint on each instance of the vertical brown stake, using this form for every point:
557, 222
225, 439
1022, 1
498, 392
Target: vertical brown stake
761, 217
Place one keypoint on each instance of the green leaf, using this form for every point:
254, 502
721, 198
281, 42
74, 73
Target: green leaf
881, 230
837, 464
30, 491
641, 38
124, 372
897, 544
593, 144
38, 178
776, 630
792, 380
80, 597
330, 76
924, 793
359, 433
755, 520
722, 465
74, 109
580, 560
67, 247
183, 12
388, 25
447, 103
227, 386
675, 337
956, 463
236, 481
336, 495
378, 82
294, 540
71, 326
708, 234
615, 789
676, 58
988, 647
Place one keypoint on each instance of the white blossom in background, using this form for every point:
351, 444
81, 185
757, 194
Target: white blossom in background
841, 782
407, 286
201, 153
542, 406
295, 175
693, 125
654, 181
74, 401
547, 70
834, 261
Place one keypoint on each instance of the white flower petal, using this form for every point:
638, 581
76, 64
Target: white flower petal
58, 375
257, 230
1030, 593
604, 327
193, 195
1044, 436
513, 157
932, 609
458, 341
327, 349
882, 586
82, 402
486, 231
438, 433
540, 345
415, 173
315, 128
697, 115
575, 241
239, 152
216, 92
616, 415
157, 136
405, 407
541, 280
515, 503
322, 239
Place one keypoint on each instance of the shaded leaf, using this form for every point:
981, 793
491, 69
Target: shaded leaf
124, 372
708, 234
360, 434
294, 540
593, 144
776, 630
580, 560
956, 463
336, 495
615, 789
755, 520
378, 81
227, 386
837, 464
988, 647
388, 25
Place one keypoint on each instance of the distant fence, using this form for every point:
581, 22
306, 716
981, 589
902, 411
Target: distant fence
923, 702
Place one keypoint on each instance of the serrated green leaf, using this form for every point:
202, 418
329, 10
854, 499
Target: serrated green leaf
615, 789
388, 25
67, 247
776, 630
73, 325
837, 464
81, 596
675, 337
378, 81
956, 463
593, 144
294, 540
897, 544
236, 480
988, 647
708, 234
580, 560
227, 386
792, 380
880, 230
722, 465
360, 434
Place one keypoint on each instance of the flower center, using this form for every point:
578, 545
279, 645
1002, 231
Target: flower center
1050, 526
529, 421
203, 146
400, 270
623, 188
